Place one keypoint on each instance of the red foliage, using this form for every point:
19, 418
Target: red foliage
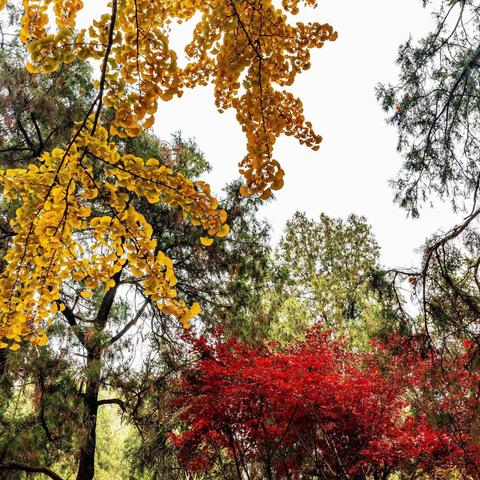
312, 409
443, 386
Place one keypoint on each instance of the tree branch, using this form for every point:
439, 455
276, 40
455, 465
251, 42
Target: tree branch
72, 321
41, 143
30, 469
105, 63
107, 302
453, 233
128, 326
113, 401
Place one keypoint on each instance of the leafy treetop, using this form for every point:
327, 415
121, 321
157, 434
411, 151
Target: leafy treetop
313, 410
244, 48
60, 236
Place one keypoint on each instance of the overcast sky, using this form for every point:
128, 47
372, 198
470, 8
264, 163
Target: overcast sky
350, 172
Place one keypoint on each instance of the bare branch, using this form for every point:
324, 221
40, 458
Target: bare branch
129, 325
22, 467
113, 401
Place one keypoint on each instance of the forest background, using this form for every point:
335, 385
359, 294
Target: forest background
115, 392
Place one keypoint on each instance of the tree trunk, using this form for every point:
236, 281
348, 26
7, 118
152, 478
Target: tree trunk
3, 367
5, 381
94, 346
86, 467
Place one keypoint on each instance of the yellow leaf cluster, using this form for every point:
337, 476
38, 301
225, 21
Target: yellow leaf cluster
60, 235
246, 49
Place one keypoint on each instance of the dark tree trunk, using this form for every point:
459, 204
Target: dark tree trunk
94, 346
86, 467
3, 367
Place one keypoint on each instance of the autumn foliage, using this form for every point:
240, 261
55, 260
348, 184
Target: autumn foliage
314, 409
231, 40
99, 233
245, 49
57, 220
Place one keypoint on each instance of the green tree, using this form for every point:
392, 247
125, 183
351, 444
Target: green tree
112, 341
38, 112
328, 271
436, 108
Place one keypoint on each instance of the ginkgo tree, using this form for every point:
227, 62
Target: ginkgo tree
56, 215
246, 49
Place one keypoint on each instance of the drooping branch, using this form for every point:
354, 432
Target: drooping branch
129, 325
22, 467
452, 234
113, 401
435, 281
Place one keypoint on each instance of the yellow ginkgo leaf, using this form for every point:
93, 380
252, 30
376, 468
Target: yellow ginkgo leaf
149, 122
31, 68
206, 241
223, 232
195, 309
86, 294
223, 216
42, 341
14, 347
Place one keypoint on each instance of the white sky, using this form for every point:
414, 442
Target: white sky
350, 172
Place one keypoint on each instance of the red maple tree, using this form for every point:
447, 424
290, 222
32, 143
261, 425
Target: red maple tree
312, 410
